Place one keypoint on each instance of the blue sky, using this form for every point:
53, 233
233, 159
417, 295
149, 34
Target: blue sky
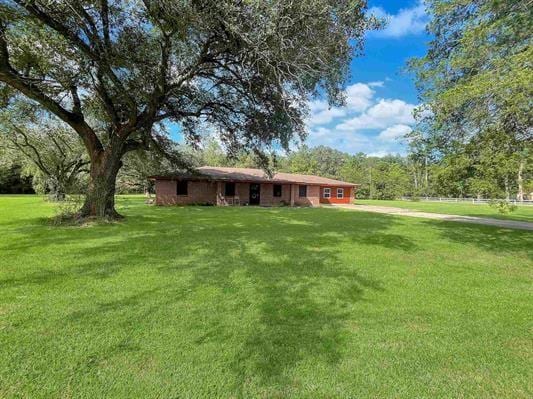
380, 94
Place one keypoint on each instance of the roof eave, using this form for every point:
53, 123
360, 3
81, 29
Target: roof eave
204, 177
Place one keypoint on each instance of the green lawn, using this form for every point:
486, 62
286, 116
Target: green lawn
206, 302
523, 212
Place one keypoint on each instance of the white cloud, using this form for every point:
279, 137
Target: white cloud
408, 21
381, 115
365, 124
321, 113
359, 97
394, 133
381, 153
352, 142
344, 141
392, 110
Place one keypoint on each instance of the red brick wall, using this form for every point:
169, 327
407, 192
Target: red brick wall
206, 192
243, 191
333, 199
198, 193
312, 199
285, 194
267, 194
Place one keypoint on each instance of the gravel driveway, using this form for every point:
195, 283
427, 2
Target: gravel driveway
510, 224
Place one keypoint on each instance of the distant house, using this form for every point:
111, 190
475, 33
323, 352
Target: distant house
244, 186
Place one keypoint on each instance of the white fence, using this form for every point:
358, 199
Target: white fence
474, 201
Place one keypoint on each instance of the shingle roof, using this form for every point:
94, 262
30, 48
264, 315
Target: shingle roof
256, 175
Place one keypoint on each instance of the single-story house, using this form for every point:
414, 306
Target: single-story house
245, 186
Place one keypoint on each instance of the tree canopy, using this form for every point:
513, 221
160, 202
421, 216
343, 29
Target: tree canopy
477, 71
476, 85
112, 70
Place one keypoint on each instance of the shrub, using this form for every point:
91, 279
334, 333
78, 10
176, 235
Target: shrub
503, 206
67, 210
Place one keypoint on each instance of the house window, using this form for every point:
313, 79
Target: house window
340, 193
277, 190
182, 187
302, 191
327, 192
229, 190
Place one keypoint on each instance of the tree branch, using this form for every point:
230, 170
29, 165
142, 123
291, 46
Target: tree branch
58, 27
76, 109
105, 23
37, 160
66, 33
75, 120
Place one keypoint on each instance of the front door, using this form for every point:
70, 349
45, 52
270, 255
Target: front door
255, 194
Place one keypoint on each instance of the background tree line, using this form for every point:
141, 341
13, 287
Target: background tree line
475, 132
475, 171
478, 169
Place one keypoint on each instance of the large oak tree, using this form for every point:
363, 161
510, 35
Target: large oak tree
114, 69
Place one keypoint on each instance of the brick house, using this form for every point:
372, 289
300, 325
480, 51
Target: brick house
244, 186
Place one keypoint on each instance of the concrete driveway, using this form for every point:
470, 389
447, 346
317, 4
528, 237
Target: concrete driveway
509, 224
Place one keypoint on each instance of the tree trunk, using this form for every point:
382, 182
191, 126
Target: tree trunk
520, 182
100, 197
506, 184
370, 184
56, 189
56, 196
426, 176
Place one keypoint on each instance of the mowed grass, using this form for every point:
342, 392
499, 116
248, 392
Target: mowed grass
522, 212
206, 302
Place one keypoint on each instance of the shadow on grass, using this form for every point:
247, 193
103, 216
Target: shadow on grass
282, 267
295, 318
269, 289
488, 238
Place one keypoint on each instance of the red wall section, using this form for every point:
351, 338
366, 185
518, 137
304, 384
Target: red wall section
313, 195
348, 195
206, 192
199, 192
